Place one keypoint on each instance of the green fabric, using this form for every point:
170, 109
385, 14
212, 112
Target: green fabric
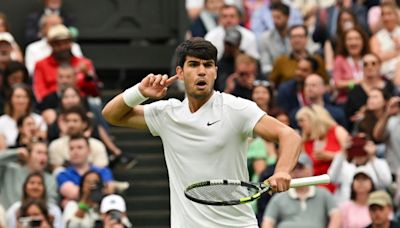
257, 150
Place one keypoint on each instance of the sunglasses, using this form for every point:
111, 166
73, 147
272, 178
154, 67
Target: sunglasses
372, 63
261, 83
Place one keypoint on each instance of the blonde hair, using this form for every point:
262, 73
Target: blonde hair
320, 121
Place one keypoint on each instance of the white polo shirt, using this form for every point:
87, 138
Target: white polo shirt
208, 144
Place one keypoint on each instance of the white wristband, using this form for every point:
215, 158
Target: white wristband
133, 96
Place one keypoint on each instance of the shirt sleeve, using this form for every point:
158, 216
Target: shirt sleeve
272, 210
331, 205
62, 178
153, 114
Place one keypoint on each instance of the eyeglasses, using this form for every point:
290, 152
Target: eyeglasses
372, 63
244, 73
261, 83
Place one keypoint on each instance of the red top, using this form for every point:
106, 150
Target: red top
332, 145
45, 77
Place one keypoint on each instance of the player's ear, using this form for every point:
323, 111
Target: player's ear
179, 72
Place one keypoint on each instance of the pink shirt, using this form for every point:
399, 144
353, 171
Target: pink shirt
354, 215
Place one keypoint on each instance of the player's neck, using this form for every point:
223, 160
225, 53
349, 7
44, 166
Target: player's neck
195, 103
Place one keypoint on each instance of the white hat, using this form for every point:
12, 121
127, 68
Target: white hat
112, 202
59, 32
5, 36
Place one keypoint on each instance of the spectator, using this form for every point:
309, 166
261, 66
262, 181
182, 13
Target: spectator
275, 41
355, 105
85, 211
230, 16
34, 210
380, 209
354, 212
27, 131
285, 66
45, 76
113, 212
76, 122
208, 18
240, 83
6, 41
323, 138
348, 70
374, 16
19, 103
302, 207
41, 49
386, 130
360, 154
16, 53
263, 95
386, 42
32, 30
14, 173
69, 179
34, 188
262, 19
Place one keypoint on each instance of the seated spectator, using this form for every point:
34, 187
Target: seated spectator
34, 188
34, 210
348, 68
355, 105
76, 122
323, 138
6, 41
84, 212
13, 173
240, 83
361, 154
113, 211
32, 32
380, 210
41, 49
230, 16
27, 131
208, 18
16, 53
45, 76
302, 207
19, 103
69, 180
386, 129
285, 66
354, 212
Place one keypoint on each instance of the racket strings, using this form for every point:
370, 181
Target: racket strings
219, 193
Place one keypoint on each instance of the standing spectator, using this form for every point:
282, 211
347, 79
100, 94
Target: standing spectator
14, 173
302, 207
348, 70
34, 208
285, 66
323, 138
41, 49
275, 42
354, 212
230, 16
114, 205
380, 209
34, 188
208, 18
32, 30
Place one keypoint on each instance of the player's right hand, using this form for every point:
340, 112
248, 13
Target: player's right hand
155, 86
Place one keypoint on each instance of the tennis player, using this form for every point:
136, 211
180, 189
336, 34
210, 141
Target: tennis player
204, 136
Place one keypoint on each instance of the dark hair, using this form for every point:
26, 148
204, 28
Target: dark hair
25, 196
5, 21
279, 6
313, 61
276, 111
83, 180
196, 47
76, 90
227, 6
339, 30
15, 66
79, 137
79, 110
298, 26
341, 45
8, 109
41, 204
20, 120
353, 194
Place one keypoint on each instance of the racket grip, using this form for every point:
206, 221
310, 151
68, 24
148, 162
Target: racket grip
307, 181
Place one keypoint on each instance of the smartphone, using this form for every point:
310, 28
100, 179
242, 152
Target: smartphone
96, 193
357, 147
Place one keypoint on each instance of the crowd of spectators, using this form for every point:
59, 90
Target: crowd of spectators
56, 154
329, 69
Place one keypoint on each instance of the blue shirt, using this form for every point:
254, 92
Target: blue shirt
70, 174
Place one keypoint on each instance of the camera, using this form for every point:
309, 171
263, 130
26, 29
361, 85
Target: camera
96, 193
30, 222
357, 146
116, 215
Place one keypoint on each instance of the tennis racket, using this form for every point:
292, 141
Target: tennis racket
234, 192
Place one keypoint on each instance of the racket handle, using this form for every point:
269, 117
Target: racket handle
307, 181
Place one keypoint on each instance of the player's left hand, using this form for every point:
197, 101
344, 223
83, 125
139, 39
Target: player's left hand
279, 182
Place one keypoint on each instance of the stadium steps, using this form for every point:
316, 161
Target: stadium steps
148, 195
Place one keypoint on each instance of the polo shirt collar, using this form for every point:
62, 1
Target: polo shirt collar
293, 194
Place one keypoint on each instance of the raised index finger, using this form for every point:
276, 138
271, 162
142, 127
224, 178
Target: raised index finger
171, 80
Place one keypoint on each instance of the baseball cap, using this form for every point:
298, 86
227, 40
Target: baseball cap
232, 36
112, 202
362, 170
5, 36
305, 160
380, 198
59, 32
